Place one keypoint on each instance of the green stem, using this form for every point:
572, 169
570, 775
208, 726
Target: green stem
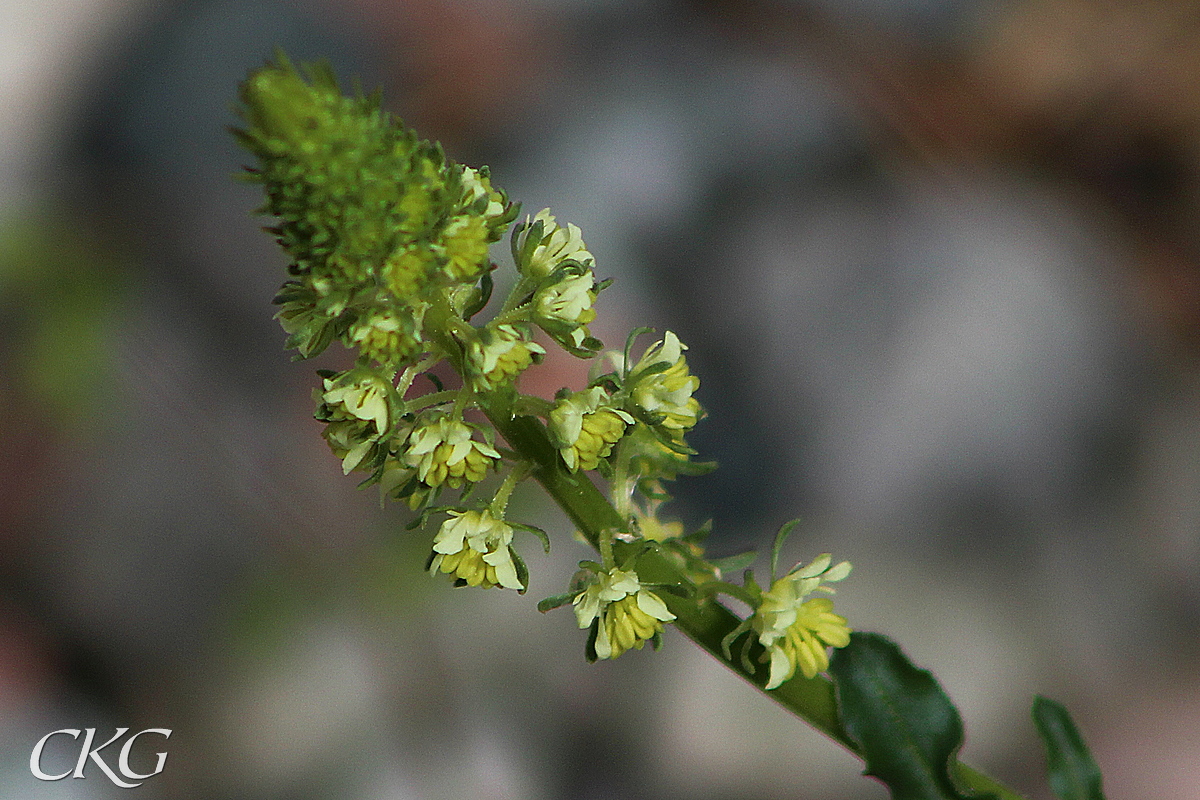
516, 315
500, 499
411, 374
606, 549
622, 489
516, 295
533, 406
705, 622
434, 399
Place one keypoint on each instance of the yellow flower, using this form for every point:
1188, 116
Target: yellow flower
357, 394
474, 546
354, 407
629, 615
807, 641
443, 452
499, 355
584, 429
796, 631
667, 394
350, 440
555, 244
568, 301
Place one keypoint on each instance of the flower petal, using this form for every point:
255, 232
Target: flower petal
652, 604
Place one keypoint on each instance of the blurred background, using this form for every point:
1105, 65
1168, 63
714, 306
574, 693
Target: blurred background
937, 264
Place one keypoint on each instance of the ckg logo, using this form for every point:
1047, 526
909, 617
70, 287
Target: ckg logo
86, 752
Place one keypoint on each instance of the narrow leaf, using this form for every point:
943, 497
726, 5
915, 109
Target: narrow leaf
480, 296
1072, 772
907, 729
536, 531
554, 602
780, 538
633, 334
736, 563
522, 570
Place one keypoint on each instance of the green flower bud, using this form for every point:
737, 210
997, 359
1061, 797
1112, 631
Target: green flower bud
481, 198
406, 270
386, 336
301, 314
370, 214
464, 243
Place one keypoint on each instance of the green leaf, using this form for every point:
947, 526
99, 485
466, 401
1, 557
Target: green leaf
679, 590
735, 563
665, 437
522, 570
422, 519
1072, 772
536, 531
589, 649
629, 340
907, 729
556, 601
712, 588
480, 295
780, 538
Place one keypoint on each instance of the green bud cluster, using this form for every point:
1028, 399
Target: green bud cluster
378, 223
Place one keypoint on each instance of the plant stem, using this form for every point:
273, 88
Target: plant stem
705, 622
